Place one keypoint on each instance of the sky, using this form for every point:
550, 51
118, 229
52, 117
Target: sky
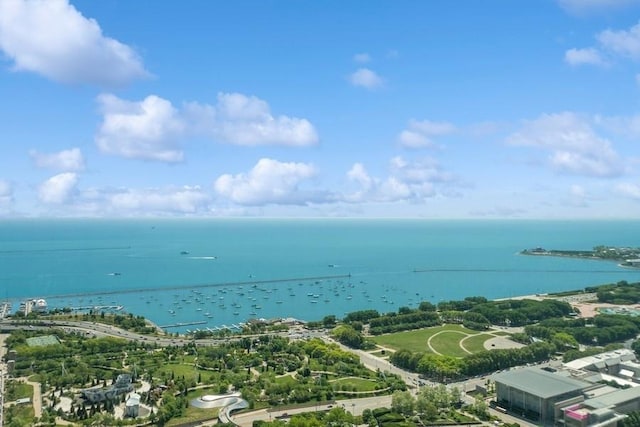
366, 109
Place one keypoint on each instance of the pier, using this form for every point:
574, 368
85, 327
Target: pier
97, 308
181, 324
199, 286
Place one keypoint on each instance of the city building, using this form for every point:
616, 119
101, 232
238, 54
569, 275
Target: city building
595, 391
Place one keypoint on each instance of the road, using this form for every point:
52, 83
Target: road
101, 329
37, 397
354, 406
375, 363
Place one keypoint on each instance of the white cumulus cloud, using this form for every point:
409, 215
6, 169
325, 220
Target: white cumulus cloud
58, 189
269, 182
248, 120
611, 44
170, 200
365, 78
51, 38
584, 56
574, 146
407, 181
623, 42
153, 129
66, 160
149, 129
420, 134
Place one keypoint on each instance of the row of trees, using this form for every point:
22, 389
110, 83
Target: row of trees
601, 330
618, 293
446, 368
473, 312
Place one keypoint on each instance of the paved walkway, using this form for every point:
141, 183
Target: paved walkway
496, 341
36, 400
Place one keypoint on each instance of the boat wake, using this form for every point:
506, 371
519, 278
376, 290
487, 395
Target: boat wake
203, 257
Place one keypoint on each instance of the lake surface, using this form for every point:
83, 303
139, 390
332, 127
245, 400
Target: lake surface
222, 272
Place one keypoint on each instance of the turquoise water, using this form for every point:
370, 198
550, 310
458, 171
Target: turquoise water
391, 263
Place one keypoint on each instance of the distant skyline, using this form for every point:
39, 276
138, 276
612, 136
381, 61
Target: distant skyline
416, 109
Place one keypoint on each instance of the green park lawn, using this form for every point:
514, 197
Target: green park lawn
17, 390
448, 342
178, 369
286, 380
354, 384
193, 416
476, 343
417, 340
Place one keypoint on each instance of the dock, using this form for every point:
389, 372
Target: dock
181, 324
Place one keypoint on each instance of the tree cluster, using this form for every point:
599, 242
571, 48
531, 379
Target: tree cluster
447, 368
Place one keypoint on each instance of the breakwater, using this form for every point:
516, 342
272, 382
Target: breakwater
513, 270
198, 286
48, 250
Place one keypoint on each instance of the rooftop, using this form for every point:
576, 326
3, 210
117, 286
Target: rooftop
612, 399
539, 382
602, 360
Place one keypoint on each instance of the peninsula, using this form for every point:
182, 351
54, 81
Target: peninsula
624, 256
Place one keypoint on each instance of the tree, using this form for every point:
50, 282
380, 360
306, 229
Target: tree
329, 321
403, 403
348, 336
564, 341
479, 408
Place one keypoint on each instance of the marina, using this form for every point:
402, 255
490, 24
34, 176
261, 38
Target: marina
381, 265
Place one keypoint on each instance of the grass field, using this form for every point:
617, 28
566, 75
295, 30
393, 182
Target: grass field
18, 390
476, 343
448, 342
443, 339
286, 380
416, 340
194, 415
354, 384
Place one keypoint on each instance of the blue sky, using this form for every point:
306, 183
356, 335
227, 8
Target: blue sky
441, 109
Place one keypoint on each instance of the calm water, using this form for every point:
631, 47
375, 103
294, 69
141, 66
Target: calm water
391, 263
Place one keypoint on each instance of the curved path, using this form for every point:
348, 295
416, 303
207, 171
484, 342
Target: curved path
491, 336
442, 332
